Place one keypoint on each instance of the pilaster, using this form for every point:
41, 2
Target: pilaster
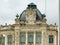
26, 38
34, 38
17, 28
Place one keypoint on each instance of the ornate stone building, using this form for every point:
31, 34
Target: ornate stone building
30, 28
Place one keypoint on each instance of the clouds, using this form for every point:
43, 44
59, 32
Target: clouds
9, 9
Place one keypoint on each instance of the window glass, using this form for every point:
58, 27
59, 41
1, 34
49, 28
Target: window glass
51, 39
22, 37
9, 38
38, 37
30, 37
0, 40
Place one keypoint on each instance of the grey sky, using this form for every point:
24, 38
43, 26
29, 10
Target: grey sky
9, 9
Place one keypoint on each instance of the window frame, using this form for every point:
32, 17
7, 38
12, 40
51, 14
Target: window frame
29, 37
9, 39
38, 35
51, 39
24, 37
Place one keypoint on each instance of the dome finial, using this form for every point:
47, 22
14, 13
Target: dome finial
31, 3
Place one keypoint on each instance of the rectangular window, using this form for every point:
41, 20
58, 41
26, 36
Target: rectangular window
9, 39
22, 37
38, 37
51, 39
3, 40
0, 40
30, 37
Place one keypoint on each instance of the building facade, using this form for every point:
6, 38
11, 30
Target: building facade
30, 28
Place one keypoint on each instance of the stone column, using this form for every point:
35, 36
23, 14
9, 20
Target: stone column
43, 41
26, 38
13, 39
5, 39
55, 40
34, 37
42, 38
17, 36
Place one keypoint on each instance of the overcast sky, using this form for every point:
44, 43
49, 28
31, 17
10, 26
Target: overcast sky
9, 9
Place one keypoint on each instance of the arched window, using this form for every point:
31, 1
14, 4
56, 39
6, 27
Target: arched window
38, 37
22, 37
